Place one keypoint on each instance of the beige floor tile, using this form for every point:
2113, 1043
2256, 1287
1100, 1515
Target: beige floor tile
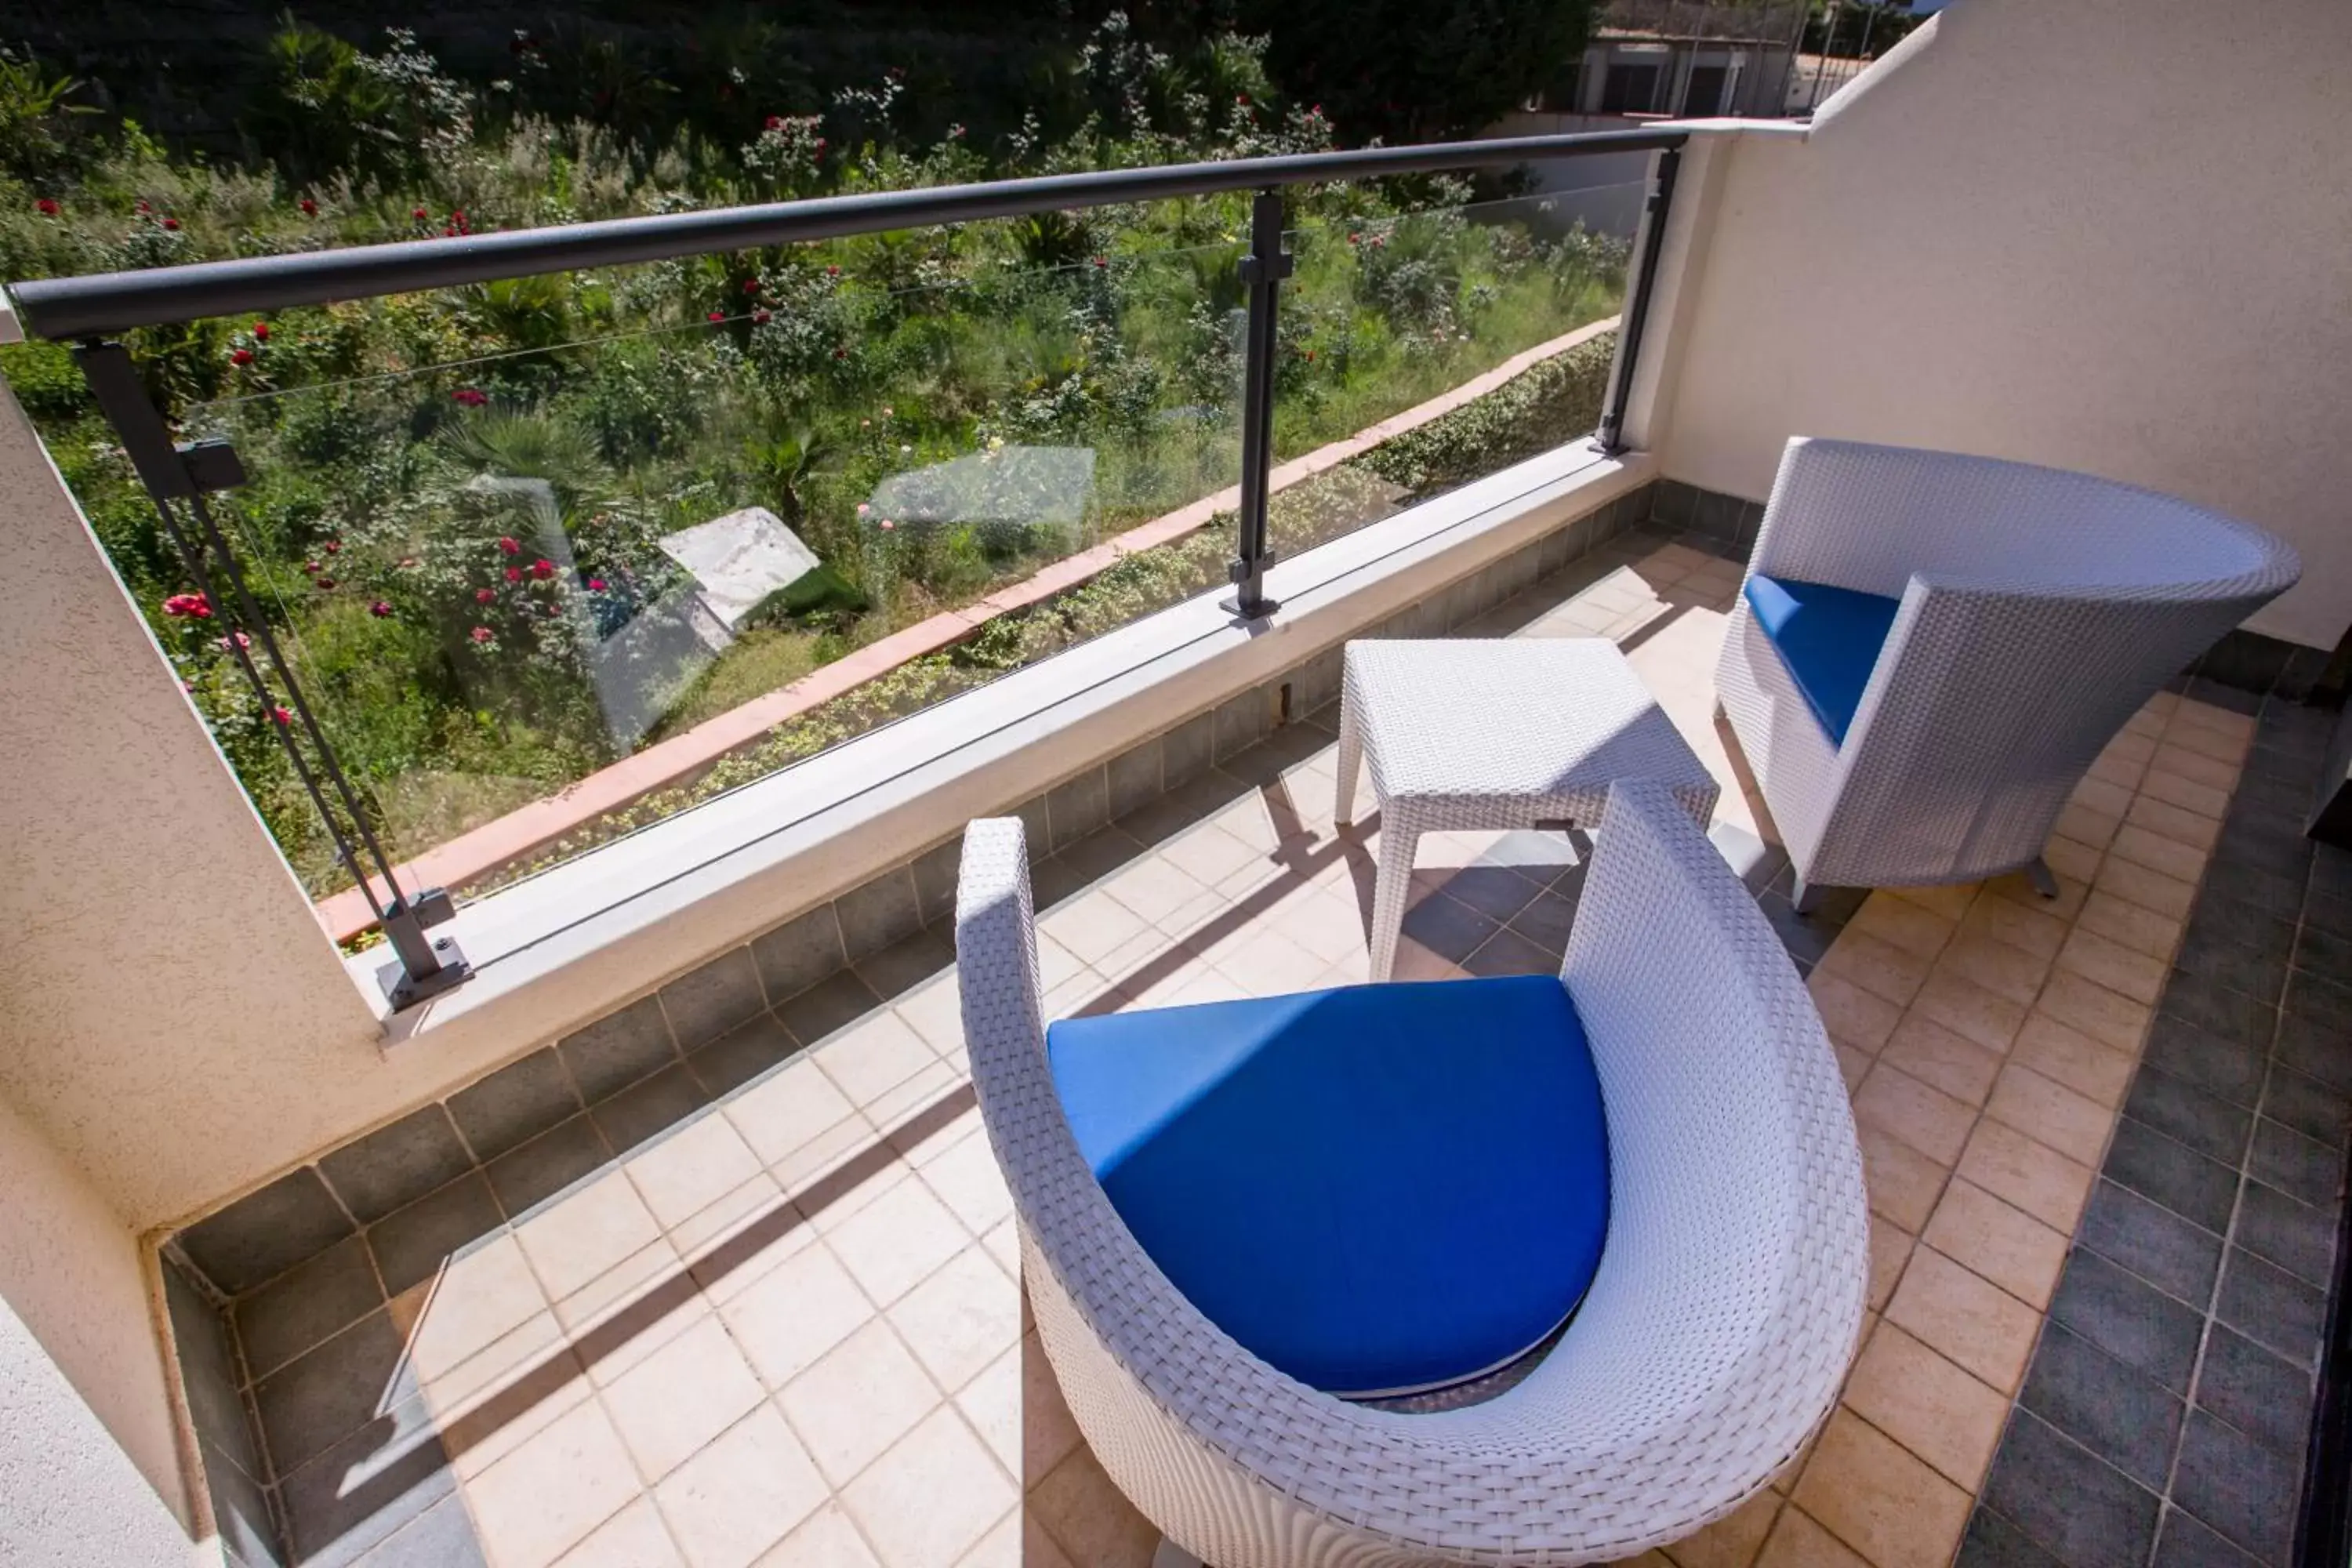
2178, 790
826, 1538
742, 1494
897, 1112
581, 1235
1323, 923
691, 1167
843, 1167
1731, 1542
896, 1239
2048, 1112
2177, 823
1268, 964
795, 1313
932, 1497
961, 1318
1153, 888
1902, 1183
2109, 1018
2141, 929
1970, 1321
2000, 967
759, 1206
860, 1398
543, 1499
2118, 770
875, 1055
2206, 740
1968, 1010
2134, 747
482, 1294
2149, 721
967, 1179
536, 1381
2029, 1175
632, 1313
935, 1010
2136, 845
2095, 828
1879, 1499
2128, 878
1890, 1249
2002, 1243
1899, 923
783, 1114
2037, 930
633, 1538
2103, 795
1935, 1055
2196, 768
1923, 1402
1004, 1244
1088, 1517
1853, 1064
1878, 967
1851, 1014
679, 1398
1799, 1542
2059, 1051
1949, 900
1208, 855
2114, 965
1093, 925
1919, 1114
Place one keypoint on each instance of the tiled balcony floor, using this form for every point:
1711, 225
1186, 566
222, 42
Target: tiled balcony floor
787, 1330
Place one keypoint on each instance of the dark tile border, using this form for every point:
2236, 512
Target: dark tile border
2200, 1272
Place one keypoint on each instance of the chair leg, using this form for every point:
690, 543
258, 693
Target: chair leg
2044, 881
1806, 896
1351, 764
1391, 886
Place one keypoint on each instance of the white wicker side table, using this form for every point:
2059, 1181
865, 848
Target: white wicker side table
1474, 734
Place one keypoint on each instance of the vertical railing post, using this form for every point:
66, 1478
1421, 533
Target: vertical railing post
177, 478
1649, 240
1263, 270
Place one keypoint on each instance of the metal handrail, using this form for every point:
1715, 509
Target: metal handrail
89, 311
106, 302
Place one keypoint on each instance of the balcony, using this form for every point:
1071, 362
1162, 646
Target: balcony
670, 1234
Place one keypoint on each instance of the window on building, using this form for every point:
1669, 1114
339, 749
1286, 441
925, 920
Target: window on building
1703, 94
1629, 90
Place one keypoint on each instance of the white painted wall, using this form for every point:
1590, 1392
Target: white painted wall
90, 1467
2064, 231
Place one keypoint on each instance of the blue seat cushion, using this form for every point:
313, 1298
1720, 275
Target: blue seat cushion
1829, 638
1377, 1189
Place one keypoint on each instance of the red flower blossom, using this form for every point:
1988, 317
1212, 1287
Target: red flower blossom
240, 356
326, 582
716, 316
1310, 356
420, 214
332, 546
171, 223
1355, 239
406, 562
595, 584
833, 272
141, 205
193, 605
549, 610
380, 609
543, 568
283, 715
507, 546
761, 318
472, 397
45, 208
820, 146
775, 122
483, 595
457, 216
309, 207
1241, 98
751, 285
235, 640
514, 573
1101, 261
448, 231
889, 527
261, 331
311, 566
841, 353
483, 634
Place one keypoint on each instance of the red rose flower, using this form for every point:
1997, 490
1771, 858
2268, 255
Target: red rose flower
775, 122
833, 272
332, 546
514, 573
261, 331
543, 568
507, 546
240, 356
310, 566
141, 205
483, 634
309, 207
326, 582
471, 397
595, 584
380, 609
283, 715
171, 223
420, 214
751, 285
45, 208
761, 318
716, 316
190, 605
483, 595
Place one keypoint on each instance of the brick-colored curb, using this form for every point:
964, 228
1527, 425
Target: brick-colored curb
504, 840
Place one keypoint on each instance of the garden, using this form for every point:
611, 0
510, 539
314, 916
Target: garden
512, 534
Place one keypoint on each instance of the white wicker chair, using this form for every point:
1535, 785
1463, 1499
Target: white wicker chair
1710, 1345
2039, 609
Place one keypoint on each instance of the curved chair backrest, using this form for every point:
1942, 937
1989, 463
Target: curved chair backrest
1712, 1343
2041, 609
